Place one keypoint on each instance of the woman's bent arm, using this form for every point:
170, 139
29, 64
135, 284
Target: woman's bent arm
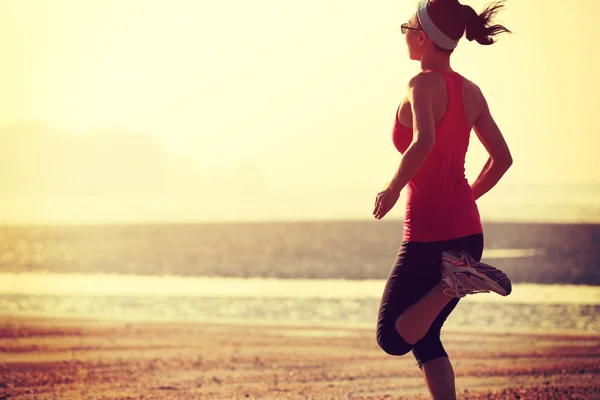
500, 158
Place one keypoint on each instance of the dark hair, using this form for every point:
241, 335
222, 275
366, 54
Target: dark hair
454, 19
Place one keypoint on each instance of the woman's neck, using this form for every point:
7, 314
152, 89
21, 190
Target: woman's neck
436, 61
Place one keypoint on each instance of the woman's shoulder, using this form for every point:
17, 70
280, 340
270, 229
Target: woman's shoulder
426, 81
471, 86
473, 96
426, 78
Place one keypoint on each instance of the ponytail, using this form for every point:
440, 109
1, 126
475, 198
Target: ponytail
478, 26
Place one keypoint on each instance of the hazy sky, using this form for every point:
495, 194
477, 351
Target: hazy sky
147, 109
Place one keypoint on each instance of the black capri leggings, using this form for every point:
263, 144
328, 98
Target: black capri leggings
416, 271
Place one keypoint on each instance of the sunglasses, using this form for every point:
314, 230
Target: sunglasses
405, 28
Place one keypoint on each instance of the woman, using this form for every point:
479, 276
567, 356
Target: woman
438, 262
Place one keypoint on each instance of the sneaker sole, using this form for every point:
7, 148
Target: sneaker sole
503, 285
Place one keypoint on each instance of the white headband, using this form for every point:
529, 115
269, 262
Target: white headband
435, 34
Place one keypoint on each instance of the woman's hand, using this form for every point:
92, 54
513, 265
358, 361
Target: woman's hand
385, 201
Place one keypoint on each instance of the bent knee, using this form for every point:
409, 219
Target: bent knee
392, 343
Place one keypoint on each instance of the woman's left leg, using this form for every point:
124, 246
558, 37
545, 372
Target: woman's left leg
433, 359
439, 378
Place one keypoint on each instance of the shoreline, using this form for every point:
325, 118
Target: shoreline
77, 320
135, 285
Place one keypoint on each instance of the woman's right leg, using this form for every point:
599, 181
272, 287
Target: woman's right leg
414, 323
413, 294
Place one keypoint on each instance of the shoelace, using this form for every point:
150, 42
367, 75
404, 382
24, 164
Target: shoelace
454, 292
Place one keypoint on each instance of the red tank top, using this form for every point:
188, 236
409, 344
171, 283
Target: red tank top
440, 203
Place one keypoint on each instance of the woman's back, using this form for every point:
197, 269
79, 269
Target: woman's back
440, 204
472, 102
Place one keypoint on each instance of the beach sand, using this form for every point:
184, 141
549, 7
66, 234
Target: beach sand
85, 359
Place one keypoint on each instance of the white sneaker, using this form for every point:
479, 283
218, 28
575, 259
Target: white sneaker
457, 288
464, 275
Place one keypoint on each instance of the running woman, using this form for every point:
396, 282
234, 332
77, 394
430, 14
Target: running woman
439, 258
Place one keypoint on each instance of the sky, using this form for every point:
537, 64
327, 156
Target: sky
273, 109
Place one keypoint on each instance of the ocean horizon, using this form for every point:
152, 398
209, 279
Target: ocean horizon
576, 203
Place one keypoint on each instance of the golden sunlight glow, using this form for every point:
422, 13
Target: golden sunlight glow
233, 110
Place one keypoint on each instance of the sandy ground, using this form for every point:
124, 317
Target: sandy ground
79, 359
